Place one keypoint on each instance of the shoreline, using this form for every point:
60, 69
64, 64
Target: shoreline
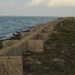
17, 35
6, 36
32, 31
11, 36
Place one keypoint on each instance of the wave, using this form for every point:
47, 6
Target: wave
10, 25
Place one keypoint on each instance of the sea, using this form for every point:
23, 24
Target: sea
10, 25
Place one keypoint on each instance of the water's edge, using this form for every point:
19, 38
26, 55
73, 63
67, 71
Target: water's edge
10, 26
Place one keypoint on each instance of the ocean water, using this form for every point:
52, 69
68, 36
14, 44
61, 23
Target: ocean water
10, 25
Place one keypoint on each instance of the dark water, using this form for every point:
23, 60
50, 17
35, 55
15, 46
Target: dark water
10, 25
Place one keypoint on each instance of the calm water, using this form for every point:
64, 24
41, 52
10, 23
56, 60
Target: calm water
10, 25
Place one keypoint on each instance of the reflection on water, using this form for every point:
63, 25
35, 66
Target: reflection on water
10, 25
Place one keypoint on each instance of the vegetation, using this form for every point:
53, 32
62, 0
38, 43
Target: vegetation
59, 53
16, 37
1, 46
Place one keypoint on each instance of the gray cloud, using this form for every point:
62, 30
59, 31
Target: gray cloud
53, 3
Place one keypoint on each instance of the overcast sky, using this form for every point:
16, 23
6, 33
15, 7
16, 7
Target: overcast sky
37, 7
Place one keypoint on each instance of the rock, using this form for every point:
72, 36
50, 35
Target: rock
62, 51
29, 60
38, 62
45, 74
45, 68
50, 38
27, 53
47, 46
72, 45
58, 60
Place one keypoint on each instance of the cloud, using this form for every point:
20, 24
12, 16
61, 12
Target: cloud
13, 5
16, 5
9, 5
52, 3
36, 2
61, 3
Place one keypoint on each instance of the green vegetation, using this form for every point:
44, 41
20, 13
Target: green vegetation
59, 53
1, 46
63, 48
16, 37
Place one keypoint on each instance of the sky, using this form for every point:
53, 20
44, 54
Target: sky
37, 7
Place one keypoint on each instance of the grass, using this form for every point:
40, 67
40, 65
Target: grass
1, 46
64, 40
60, 58
16, 37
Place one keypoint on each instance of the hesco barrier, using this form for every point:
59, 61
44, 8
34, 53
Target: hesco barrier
11, 65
